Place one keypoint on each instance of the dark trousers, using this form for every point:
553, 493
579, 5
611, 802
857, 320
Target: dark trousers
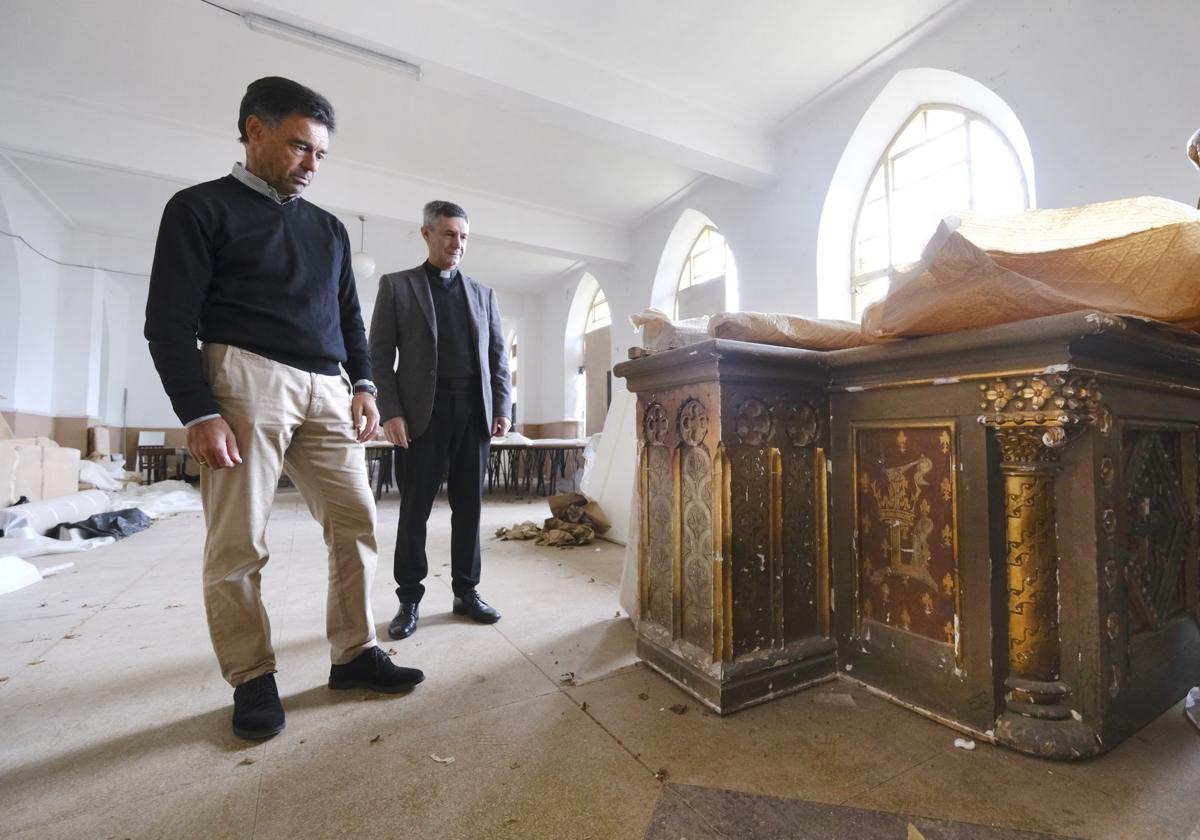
455, 441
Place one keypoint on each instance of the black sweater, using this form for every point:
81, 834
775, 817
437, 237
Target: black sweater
233, 266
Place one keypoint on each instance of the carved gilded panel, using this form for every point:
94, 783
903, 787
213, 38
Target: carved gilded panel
659, 536
696, 545
905, 504
752, 549
1159, 521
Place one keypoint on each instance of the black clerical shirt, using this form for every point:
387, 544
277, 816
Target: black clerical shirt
456, 356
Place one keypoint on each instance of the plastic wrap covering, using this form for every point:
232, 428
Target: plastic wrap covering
789, 331
41, 517
1138, 257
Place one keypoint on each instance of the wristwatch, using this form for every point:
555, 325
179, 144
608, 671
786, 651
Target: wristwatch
368, 387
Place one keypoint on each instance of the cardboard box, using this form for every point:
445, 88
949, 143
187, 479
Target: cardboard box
8, 475
60, 472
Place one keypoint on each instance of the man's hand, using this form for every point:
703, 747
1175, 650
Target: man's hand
500, 427
365, 414
213, 445
396, 430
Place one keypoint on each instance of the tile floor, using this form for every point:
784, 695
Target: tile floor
115, 722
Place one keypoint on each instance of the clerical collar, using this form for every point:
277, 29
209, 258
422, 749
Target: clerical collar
443, 277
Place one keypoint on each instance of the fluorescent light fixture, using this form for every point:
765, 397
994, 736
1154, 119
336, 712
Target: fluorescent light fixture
307, 37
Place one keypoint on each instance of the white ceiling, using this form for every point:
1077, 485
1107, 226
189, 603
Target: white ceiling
557, 123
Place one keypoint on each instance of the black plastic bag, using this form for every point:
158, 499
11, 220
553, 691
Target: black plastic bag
116, 523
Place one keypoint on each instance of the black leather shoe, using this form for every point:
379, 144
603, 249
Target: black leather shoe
257, 712
405, 622
374, 670
475, 608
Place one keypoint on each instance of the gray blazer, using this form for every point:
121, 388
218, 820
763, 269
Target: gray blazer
404, 324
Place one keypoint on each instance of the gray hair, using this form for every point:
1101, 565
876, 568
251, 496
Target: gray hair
444, 209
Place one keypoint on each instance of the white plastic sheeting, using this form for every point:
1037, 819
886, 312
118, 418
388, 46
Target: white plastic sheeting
16, 574
161, 499
41, 517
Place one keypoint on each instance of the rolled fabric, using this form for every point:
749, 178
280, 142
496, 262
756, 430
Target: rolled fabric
43, 516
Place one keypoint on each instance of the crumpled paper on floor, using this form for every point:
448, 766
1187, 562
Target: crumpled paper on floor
1138, 257
524, 531
555, 532
558, 532
580, 508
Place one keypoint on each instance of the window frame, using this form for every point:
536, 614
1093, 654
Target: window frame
688, 262
858, 281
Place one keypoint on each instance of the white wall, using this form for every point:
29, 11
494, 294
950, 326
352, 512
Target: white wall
32, 344
1101, 88
1096, 85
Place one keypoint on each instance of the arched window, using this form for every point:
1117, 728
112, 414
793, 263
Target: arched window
944, 159
598, 315
701, 287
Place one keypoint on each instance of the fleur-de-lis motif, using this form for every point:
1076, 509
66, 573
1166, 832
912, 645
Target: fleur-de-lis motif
947, 489
947, 537
902, 441
944, 438
927, 603
948, 584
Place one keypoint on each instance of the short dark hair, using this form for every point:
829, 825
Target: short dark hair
273, 99
444, 209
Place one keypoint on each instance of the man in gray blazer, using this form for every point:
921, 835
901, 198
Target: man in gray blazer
441, 405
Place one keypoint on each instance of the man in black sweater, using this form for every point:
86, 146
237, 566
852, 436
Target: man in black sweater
262, 278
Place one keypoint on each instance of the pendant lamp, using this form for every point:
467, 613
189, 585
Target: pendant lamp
361, 263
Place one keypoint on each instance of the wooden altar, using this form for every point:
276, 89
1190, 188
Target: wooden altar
996, 528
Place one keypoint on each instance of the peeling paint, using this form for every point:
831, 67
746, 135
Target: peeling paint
854, 389
1057, 369
949, 380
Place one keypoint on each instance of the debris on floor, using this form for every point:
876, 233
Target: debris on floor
575, 520
376, 739
661, 774
245, 761
1191, 706
441, 760
680, 708
643, 696
568, 679
524, 531
579, 509
964, 743
561, 533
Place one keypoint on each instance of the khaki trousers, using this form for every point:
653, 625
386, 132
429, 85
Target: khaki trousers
299, 422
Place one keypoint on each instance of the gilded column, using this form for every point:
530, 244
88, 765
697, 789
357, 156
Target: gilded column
1034, 419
